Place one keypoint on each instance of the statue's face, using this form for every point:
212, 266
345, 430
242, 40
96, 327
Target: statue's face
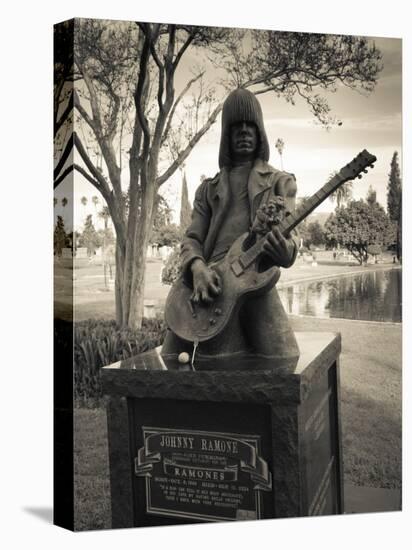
243, 140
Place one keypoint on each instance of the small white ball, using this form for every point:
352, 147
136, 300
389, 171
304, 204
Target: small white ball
183, 357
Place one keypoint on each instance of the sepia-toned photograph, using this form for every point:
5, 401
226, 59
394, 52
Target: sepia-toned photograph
227, 274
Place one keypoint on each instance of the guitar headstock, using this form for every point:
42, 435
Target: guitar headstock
358, 165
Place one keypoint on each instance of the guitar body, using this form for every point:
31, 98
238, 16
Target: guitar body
201, 322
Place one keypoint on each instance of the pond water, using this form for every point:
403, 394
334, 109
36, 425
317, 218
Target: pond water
368, 296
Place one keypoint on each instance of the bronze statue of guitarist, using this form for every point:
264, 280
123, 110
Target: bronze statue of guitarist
235, 202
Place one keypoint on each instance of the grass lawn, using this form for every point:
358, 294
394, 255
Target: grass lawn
370, 407
91, 467
371, 398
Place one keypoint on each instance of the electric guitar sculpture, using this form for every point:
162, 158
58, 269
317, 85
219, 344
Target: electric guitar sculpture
240, 270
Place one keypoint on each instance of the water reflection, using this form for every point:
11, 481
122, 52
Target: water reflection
372, 296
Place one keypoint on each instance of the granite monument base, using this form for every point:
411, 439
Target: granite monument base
225, 444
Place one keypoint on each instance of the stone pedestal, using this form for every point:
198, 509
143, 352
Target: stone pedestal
217, 445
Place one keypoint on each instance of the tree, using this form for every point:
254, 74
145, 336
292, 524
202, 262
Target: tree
171, 270
394, 189
185, 207
83, 200
89, 237
374, 250
394, 198
108, 243
316, 234
60, 236
399, 233
104, 214
371, 196
64, 201
95, 201
280, 145
303, 226
343, 193
128, 83
357, 226
63, 74
166, 235
163, 212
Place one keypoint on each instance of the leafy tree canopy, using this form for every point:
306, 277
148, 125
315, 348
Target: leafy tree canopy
89, 237
316, 234
394, 189
60, 236
357, 226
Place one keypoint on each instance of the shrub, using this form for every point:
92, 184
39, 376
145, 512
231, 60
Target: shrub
99, 343
374, 249
171, 270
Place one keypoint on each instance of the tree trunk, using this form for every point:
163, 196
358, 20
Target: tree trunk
118, 285
142, 235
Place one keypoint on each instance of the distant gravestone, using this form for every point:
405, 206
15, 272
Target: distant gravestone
67, 253
81, 253
149, 309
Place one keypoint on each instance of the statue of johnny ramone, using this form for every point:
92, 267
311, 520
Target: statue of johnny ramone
225, 207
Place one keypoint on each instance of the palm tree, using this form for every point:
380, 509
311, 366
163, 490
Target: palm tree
104, 214
95, 201
280, 145
343, 193
83, 200
64, 201
55, 201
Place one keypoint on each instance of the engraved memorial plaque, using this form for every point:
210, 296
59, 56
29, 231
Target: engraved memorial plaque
209, 476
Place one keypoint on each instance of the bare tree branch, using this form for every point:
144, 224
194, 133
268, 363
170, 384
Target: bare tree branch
84, 114
66, 152
176, 103
69, 108
143, 69
94, 182
185, 153
62, 176
91, 167
183, 49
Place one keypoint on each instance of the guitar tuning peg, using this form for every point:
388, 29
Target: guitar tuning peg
365, 171
372, 166
360, 177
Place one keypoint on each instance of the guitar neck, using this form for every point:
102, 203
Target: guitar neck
294, 218
352, 170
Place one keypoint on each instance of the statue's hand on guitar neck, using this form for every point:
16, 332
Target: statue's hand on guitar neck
206, 283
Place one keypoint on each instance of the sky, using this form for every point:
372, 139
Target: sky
372, 122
